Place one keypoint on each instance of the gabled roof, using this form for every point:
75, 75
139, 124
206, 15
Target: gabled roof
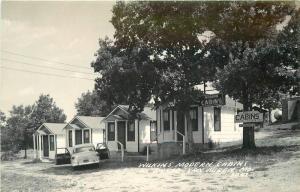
53, 128
147, 114
92, 122
89, 121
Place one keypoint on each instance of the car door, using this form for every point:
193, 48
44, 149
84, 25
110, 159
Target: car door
63, 156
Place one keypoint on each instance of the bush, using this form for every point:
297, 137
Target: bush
8, 156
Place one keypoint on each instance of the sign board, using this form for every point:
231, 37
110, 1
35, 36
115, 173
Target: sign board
247, 125
212, 100
249, 117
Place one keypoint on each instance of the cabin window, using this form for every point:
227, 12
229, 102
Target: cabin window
153, 131
166, 118
86, 134
51, 142
130, 131
70, 139
111, 131
217, 119
194, 118
78, 137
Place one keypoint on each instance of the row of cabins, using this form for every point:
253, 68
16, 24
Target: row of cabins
163, 126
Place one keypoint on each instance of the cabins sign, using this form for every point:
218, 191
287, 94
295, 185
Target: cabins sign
212, 100
249, 117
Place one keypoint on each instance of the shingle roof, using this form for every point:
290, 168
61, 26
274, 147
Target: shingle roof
147, 114
92, 122
55, 128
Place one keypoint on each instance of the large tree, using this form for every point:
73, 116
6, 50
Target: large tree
127, 76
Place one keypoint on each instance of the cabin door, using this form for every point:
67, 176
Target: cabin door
121, 133
180, 125
46, 146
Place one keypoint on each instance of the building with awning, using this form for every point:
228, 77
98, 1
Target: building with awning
84, 129
47, 139
134, 133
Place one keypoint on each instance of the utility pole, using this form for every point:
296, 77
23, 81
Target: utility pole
26, 131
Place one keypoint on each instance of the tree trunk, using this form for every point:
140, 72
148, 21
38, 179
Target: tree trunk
25, 156
190, 139
248, 132
270, 121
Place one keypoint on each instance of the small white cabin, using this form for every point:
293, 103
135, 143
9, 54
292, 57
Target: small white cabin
212, 123
84, 129
47, 139
134, 134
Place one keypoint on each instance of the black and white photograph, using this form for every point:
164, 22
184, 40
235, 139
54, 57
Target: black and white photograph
134, 96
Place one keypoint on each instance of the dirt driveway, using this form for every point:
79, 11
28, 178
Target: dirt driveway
269, 168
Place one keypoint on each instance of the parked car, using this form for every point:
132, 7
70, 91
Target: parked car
103, 151
63, 156
84, 154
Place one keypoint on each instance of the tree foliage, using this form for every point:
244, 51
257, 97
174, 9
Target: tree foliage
128, 76
89, 104
24, 120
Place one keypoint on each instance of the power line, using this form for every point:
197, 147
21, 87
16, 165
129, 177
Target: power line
55, 68
43, 59
42, 73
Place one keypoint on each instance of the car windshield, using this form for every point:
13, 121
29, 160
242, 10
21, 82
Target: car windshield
83, 149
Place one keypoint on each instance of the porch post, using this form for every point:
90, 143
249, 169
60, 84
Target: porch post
73, 137
126, 129
175, 126
34, 146
91, 136
185, 126
49, 145
116, 130
116, 134
82, 136
40, 146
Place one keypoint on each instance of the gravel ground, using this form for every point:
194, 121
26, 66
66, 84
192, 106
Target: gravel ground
273, 166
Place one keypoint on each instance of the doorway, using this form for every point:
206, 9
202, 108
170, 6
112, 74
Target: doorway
180, 125
121, 133
46, 145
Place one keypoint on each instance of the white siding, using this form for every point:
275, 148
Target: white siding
132, 146
197, 135
229, 130
97, 136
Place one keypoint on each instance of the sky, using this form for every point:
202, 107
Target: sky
39, 36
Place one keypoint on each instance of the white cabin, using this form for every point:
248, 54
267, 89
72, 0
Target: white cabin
47, 139
209, 123
134, 134
84, 129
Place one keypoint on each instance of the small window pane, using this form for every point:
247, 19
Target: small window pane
217, 119
51, 142
166, 118
70, 139
194, 118
86, 136
130, 131
111, 131
153, 131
